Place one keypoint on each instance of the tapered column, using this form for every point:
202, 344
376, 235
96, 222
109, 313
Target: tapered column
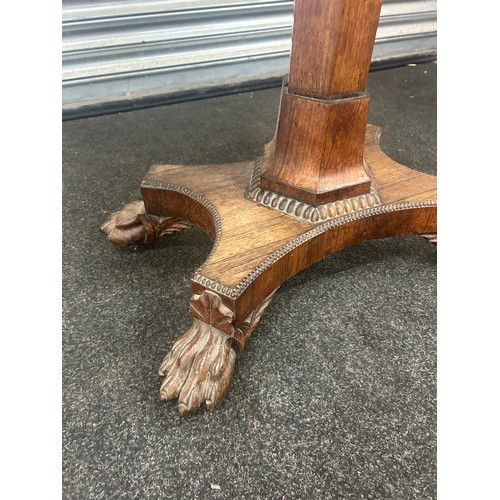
316, 155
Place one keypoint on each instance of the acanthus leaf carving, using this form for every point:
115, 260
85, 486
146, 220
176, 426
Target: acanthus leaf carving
200, 365
134, 226
208, 307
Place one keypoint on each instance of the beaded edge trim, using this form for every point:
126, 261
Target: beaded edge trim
235, 292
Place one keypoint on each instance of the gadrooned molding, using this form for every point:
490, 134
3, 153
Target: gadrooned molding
301, 210
234, 293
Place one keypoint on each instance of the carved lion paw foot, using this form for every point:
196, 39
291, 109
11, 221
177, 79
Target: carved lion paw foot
201, 363
133, 226
199, 368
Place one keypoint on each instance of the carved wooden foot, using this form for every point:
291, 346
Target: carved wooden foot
200, 365
261, 239
134, 226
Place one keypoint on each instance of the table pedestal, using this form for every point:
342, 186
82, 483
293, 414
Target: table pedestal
321, 185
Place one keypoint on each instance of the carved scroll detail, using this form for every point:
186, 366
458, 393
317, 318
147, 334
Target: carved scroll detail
133, 226
302, 210
200, 366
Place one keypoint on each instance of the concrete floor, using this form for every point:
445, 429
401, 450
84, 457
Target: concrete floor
335, 395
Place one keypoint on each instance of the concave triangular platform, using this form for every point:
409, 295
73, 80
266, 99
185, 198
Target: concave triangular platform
260, 240
258, 246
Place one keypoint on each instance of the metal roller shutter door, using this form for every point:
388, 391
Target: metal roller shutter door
122, 52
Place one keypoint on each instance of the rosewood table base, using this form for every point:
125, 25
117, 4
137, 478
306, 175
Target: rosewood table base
261, 239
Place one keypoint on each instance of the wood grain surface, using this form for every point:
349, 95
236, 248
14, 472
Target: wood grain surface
322, 184
316, 155
256, 247
332, 46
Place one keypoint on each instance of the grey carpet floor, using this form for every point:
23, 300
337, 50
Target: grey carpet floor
335, 395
